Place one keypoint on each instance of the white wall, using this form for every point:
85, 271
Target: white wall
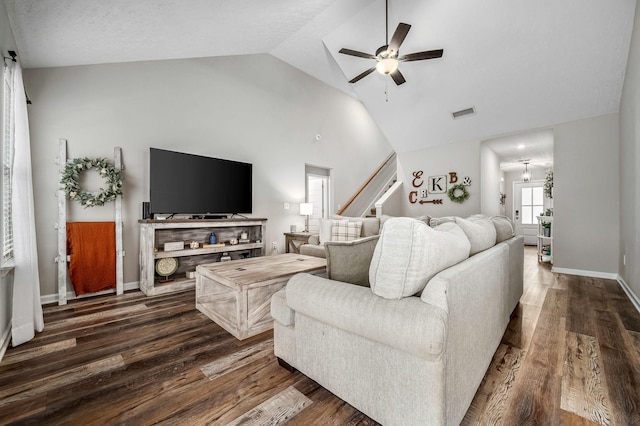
586, 195
395, 203
6, 282
462, 158
629, 166
489, 182
586, 198
250, 108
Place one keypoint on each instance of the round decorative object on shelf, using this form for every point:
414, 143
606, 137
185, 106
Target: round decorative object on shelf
458, 193
167, 266
71, 177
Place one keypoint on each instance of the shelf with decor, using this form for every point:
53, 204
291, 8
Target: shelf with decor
545, 238
180, 263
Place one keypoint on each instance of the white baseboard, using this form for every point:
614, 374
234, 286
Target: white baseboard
53, 298
4, 341
583, 273
634, 299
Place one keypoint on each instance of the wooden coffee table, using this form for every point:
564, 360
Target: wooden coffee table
236, 295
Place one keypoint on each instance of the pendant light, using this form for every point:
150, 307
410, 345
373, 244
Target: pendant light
526, 176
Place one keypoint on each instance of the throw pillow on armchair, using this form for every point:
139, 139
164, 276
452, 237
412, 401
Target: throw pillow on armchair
349, 261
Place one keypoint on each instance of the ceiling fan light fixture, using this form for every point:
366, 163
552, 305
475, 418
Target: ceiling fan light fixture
386, 66
387, 55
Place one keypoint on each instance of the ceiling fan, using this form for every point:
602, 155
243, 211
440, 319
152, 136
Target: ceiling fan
387, 56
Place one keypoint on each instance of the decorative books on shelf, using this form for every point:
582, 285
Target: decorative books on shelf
174, 245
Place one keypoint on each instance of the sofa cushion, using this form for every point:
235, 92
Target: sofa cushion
480, 232
504, 228
477, 216
313, 250
408, 325
435, 221
409, 253
370, 225
425, 218
348, 231
325, 228
280, 311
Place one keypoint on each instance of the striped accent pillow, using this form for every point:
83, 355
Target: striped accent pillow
346, 231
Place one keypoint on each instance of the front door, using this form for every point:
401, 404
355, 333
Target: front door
527, 204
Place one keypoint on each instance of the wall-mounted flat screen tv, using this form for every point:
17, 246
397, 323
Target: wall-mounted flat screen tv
191, 184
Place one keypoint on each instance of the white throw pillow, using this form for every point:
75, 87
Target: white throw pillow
480, 231
409, 253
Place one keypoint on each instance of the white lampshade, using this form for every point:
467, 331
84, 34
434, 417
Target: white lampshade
306, 209
387, 65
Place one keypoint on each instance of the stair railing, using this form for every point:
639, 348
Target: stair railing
368, 193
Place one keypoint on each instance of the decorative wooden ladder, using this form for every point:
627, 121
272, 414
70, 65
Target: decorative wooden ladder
62, 257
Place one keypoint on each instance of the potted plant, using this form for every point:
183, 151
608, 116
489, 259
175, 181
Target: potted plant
546, 229
548, 184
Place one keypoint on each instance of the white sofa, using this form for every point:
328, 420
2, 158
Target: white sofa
406, 357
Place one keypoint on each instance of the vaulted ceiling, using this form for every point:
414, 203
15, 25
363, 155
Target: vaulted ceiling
521, 64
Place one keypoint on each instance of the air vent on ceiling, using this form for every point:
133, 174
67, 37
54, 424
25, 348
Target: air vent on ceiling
463, 112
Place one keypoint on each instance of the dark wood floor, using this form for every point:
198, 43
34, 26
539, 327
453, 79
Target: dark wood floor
571, 355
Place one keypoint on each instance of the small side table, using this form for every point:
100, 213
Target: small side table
293, 241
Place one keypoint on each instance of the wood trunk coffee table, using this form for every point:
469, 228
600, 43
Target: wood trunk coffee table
236, 295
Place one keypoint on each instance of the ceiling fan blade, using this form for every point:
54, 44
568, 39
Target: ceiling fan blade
356, 53
362, 75
398, 37
420, 56
398, 77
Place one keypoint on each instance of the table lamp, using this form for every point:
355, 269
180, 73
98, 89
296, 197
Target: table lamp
306, 210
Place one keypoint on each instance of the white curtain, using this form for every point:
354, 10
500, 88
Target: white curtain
27, 310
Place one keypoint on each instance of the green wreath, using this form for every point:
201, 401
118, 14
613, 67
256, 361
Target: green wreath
71, 186
458, 198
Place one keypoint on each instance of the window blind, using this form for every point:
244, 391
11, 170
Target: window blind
7, 166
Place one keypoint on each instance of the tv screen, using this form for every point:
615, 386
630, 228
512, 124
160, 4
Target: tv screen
183, 183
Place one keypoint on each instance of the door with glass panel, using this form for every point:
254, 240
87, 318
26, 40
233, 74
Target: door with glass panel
528, 203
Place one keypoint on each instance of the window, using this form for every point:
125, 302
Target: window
532, 204
7, 165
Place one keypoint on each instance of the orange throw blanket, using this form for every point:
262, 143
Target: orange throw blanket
92, 247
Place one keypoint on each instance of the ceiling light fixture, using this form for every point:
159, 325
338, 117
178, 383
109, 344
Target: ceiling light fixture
386, 66
526, 176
